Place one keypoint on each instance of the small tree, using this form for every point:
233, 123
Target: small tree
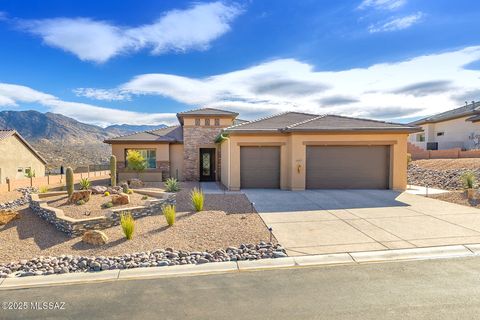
135, 161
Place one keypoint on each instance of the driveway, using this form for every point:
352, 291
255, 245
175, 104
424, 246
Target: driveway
329, 221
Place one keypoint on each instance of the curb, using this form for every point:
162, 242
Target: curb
351, 258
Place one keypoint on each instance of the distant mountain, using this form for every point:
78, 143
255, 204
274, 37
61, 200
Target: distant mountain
63, 140
129, 128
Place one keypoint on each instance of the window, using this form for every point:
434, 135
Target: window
217, 122
207, 122
150, 156
439, 134
20, 169
27, 170
197, 122
420, 137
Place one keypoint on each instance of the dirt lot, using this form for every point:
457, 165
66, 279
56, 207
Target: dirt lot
448, 164
9, 196
457, 197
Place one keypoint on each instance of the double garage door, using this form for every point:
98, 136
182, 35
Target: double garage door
327, 167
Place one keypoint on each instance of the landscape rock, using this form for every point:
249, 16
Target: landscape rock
80, 195
120, 199
8, 215
95, 237
440, 179
98, 189
114, 190
136, 183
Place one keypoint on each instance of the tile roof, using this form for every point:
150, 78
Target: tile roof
8, 133
168, 134
295, 121
207, 112
467, 110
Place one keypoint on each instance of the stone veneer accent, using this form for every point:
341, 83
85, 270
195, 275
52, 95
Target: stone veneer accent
195, 138
76, 227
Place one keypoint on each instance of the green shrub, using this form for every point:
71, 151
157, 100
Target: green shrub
69, 181
113, 171
469, 180
135, 161
197, 199
29, 173
172, 185
129, 191
84, 184
128, 224
106, 194
107, 205
144, 197
125, 187
43, 189
169, 213
80, 202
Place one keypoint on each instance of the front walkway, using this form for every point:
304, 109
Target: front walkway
331, 221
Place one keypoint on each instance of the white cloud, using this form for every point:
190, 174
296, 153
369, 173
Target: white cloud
102, 94
382, 4
396, 24
14, 95
177, 30
415, 87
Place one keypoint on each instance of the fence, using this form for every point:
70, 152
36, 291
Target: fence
454, 153
52, 180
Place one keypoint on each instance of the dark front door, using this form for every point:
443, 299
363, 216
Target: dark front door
207, 164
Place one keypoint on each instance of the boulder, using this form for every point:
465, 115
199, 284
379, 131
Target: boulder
120, 199
98, 189
114, 190
8, 215
80, 195
95, 237
136, 183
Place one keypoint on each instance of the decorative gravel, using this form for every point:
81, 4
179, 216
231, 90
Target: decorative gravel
458, 197
154, 258
93, 207
441, 174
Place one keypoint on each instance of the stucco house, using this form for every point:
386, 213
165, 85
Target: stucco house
291, 150
457, 128
17, 157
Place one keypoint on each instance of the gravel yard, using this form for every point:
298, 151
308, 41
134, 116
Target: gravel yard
448, 164
9, 196
457, 197
93, 206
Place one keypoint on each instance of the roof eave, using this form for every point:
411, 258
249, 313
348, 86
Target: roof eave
361, 130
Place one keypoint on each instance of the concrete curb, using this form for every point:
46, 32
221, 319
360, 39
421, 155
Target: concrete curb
353, 258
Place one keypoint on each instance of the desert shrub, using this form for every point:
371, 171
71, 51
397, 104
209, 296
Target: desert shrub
106, 194
128, 224
125, 187
144, 197
172, 185
169, 213
197, 199
43, 189
468, 180
84, 184
107, 205
135, 161
129, 191
29, 173
80, 202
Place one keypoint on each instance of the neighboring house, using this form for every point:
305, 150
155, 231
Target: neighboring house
17, 157
290, 150
457, 128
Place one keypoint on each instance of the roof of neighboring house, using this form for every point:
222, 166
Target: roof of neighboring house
168, 135
207, 112
467, 110
295, 121
4, 134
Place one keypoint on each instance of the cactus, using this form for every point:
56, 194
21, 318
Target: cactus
69, 180
113, 171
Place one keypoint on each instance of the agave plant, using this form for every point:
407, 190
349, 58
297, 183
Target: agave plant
84, 184
172, 185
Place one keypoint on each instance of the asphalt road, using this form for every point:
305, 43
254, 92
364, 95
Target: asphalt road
435, 289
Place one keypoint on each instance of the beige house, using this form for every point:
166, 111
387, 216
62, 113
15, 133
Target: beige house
292, 151
457, 128
17, 157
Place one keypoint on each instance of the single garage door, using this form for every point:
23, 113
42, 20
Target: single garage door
260, 167
348, 167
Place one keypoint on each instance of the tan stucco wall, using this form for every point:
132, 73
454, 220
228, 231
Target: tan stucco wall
456, 133
13, 155
176, 161
293, 155
225, 162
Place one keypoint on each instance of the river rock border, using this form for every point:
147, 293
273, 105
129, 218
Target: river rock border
155, 258
77, 227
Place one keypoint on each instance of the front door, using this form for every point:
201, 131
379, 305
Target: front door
207, 164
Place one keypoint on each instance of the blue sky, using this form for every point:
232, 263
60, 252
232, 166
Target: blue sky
140, 62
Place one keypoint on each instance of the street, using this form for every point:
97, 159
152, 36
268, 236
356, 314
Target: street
431, 289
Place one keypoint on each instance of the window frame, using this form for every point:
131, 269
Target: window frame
197, 122
207, 122
217, 122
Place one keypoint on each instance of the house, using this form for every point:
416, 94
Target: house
291, 150
18, 158
457, 128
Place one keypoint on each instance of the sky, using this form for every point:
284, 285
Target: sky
141, 62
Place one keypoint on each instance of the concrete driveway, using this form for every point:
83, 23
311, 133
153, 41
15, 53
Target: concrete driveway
328, 221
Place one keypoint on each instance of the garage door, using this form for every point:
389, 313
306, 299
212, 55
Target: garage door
260, 167
348, 167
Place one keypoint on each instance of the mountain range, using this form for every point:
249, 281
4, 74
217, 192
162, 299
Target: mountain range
65, 141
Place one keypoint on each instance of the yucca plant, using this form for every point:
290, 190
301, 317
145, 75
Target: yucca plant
197, 199
84, 184
169, 213
172, 185
468, 179
128, 224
